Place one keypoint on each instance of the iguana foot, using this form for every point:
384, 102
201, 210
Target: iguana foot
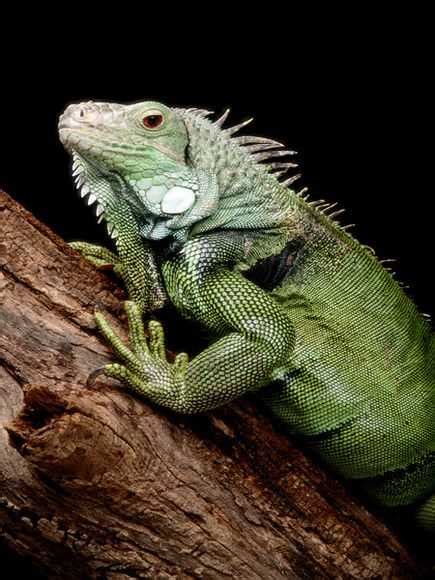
147, 293
98, 255
144, 367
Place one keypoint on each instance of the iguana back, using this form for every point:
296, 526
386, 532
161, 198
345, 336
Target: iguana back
360, 387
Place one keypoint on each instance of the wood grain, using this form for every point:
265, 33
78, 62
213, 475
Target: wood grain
97, 483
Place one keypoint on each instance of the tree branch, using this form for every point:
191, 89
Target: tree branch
96, 483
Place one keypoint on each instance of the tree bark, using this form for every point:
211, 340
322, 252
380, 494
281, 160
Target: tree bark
97, 483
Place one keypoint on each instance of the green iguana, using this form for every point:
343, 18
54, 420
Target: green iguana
300, 311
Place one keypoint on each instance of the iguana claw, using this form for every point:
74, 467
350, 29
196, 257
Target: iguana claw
92, 378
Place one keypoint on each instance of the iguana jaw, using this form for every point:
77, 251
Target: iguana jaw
95, 189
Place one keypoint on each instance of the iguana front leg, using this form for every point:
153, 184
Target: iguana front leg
134, 261
257, 339
136, 269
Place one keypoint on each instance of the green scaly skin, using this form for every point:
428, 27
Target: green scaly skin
302, 313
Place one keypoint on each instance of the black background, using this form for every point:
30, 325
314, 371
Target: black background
357, 108
351, 92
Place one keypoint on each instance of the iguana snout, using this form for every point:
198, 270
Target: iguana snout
86, 115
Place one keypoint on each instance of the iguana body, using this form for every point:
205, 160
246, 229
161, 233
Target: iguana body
301, 312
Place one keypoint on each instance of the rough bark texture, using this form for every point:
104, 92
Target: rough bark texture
96, 483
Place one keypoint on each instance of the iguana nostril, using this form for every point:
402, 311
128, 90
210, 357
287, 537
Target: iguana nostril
82, 113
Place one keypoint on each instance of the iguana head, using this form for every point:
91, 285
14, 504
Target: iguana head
178, 172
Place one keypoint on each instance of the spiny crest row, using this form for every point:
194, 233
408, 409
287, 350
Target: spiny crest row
259, 148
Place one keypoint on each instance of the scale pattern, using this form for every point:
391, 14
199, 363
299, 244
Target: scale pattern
301, 313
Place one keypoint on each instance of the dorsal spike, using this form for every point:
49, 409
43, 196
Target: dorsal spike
219, 122
203, 113
278, 165
271, 154
286, 152
232, 130
261, 147
387, 260
347, 227
334, 214
369, 249
248, 139
317, 202
263, 155
330, 206
291, 179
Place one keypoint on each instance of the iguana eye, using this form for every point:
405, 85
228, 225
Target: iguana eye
153, 120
